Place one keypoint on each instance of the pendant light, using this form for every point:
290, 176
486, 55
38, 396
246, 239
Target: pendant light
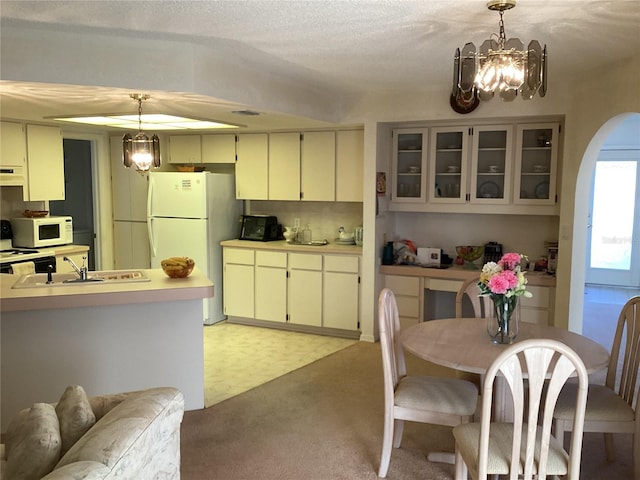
501, 66
141, 151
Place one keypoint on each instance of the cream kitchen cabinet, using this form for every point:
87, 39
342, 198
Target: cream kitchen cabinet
409, 166
312, 292
129, 201
318, 167
13, 154
305, 289
536, 164
284, 166
219, 148
185, 149
409, 292
341, 292
238, 282
252, 167
45, 164
349, 165
131, 245
271, 286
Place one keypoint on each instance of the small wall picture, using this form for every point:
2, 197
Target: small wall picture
381, 183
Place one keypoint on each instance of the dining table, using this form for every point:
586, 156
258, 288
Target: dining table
463, 344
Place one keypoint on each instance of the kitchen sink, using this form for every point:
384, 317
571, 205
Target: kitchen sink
71, 278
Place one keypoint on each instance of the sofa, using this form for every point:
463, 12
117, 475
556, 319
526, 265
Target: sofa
133, 435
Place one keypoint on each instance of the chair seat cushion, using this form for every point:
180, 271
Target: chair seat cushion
467, 438
446, 395
603, 404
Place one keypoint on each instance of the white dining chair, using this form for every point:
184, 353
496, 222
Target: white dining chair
425, 399
612, 407
481, 305
525, 448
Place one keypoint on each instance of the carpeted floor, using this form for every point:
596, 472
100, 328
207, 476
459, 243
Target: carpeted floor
324, 422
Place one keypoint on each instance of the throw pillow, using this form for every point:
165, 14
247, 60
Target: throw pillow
35, 447
75, 416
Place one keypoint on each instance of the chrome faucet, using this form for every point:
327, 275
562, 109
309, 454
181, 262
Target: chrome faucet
82, 271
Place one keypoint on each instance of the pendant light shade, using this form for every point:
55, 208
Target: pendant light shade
501, 66
141, 151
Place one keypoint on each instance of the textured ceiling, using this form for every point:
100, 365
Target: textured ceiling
356, 46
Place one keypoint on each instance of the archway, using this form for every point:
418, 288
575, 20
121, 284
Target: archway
581, 219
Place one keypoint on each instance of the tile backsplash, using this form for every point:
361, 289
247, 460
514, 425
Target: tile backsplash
324, 218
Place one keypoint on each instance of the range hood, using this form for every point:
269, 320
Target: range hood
12, 176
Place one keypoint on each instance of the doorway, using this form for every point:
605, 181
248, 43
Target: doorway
78, 202
613, 237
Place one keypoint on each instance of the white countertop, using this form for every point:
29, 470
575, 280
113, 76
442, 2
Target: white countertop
289, 247
158, 288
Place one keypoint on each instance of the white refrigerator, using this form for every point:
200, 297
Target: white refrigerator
189, 214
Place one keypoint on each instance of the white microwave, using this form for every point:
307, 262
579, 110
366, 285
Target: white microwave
42, 232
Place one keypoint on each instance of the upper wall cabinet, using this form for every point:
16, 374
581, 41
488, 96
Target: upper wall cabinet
318, 167
219, 148
536, 164
284, 166
324, 166
13, 154
185, 149
197, 149
448, 165
45, 163
409, 166
472, 167
252, 167
349, 165
32, 156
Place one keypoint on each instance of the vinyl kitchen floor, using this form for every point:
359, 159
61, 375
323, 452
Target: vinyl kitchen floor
238, 358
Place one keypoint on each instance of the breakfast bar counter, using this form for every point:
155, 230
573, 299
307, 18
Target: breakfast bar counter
158, 288
108, 337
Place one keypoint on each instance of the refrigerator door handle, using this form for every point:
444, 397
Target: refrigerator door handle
152, 244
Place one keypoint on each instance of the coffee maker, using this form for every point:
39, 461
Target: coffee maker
492, 252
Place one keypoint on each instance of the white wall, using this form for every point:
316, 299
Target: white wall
599, 102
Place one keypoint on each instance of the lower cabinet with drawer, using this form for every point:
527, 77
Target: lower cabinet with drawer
409, 293
238, 282
311, 292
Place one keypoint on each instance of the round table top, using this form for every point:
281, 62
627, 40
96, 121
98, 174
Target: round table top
463, 343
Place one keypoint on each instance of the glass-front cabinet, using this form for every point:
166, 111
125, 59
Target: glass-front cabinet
536, 164
409, 165
491, 164
448, 165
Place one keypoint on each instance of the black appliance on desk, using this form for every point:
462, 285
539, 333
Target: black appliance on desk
492, 252
260, 228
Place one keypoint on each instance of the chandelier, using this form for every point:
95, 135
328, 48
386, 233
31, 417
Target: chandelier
500, 66
140, 150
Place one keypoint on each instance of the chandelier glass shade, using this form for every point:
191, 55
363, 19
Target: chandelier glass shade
500, 66
141, 151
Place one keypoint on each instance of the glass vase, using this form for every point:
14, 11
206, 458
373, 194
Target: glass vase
503, 319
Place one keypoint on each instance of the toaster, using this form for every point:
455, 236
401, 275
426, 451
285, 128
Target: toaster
260, 228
